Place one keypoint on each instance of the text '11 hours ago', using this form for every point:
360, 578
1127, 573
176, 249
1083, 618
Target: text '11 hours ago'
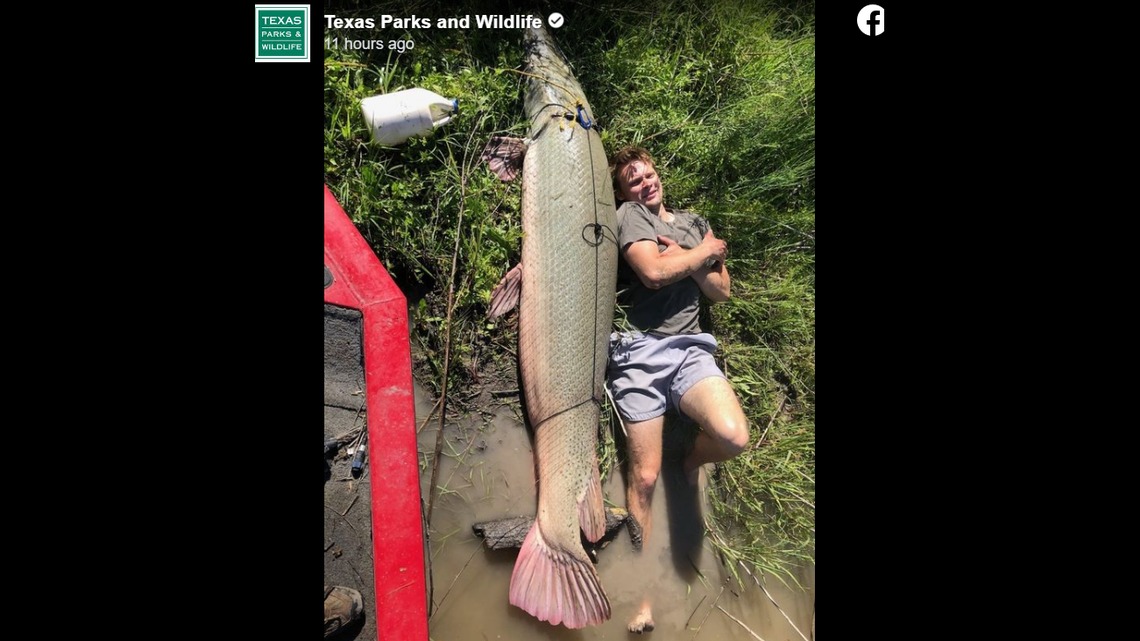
399, 46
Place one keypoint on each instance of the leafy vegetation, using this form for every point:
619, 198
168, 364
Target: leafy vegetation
724, 96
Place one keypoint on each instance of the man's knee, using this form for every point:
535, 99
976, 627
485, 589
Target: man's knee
734, 433
645, 479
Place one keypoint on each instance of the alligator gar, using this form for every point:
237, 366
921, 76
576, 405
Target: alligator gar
564, 288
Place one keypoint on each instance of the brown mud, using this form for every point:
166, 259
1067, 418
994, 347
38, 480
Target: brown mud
487, 473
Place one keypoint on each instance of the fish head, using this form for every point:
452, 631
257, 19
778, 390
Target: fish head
543, 54
553, 93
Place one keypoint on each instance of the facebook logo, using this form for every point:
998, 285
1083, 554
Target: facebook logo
871, 20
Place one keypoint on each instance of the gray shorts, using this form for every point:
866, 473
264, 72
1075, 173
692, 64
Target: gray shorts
648, 374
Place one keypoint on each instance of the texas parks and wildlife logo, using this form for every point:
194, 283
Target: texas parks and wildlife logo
282, 33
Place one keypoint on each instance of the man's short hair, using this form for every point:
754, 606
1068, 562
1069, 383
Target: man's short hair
623, 157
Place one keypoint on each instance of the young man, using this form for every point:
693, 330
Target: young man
665, 361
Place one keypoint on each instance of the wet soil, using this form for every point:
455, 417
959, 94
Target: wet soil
487, 473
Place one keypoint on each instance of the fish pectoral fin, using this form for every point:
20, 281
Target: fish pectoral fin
557, 585
591, 510
505, 296
505, 156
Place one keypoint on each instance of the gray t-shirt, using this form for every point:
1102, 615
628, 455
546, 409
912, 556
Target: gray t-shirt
673, 309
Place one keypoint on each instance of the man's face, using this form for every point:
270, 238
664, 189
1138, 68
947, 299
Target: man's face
639, 183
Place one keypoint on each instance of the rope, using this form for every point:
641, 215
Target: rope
595, 245
563, 411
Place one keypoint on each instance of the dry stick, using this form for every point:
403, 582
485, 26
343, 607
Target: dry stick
352, 503
695, 611
767, 594
355, 437
360, 409
707, 613
349, 436
430, 414
616, 413
447, 336
806, 477
446, 367
779, 407
346, 521
740, 622
461, 571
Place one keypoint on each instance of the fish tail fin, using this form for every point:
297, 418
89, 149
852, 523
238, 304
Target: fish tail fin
591, 511
556, 585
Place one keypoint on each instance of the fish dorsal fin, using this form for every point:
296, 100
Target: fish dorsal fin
505, 156
505, 296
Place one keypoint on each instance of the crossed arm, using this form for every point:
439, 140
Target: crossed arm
657, 269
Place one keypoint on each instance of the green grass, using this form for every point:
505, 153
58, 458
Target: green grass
724, 97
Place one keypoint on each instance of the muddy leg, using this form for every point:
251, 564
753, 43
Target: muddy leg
644, 466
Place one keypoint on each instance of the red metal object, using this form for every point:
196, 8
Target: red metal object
361, 282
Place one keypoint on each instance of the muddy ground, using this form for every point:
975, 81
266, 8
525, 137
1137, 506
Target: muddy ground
486, 473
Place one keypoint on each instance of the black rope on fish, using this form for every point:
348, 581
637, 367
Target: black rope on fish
565, 114
599, 234
609, 234
598, 228
563, 411
597, 240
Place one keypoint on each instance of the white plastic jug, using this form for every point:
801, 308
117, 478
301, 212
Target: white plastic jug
395, 117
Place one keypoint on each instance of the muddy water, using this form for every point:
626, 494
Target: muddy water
487, 471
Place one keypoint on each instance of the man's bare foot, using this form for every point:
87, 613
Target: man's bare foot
643, 621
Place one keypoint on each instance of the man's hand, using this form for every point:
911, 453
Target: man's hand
670, 244
717, 248
713, 279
